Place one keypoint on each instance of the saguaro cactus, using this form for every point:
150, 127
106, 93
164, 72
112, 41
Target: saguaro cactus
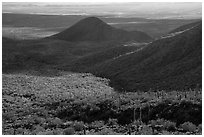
140, 114
134, 115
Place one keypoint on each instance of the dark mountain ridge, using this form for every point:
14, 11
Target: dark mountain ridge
168, 63
94, 29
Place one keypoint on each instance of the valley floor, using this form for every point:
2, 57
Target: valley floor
27, 32
80, 103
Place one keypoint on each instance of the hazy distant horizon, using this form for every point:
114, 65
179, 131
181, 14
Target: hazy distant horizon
152, 10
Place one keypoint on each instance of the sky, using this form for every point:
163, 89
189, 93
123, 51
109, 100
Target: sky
154, 10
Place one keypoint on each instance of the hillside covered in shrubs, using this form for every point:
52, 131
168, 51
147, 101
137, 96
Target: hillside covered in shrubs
84, 104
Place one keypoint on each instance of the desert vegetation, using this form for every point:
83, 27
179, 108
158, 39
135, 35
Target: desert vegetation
75, 103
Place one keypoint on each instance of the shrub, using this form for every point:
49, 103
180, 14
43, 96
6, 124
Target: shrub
69, 131
40, 120
153, 123
9, 116
166, 132
57, 131
200, 128
48, 120
20, 131
97, 124
48, 132
54, 122
106, 131
68, 124
160, 121
157, 122
188, 126
170, 126
38, 129
57, 121
136, 125
9, 132
146, 130
18, 124
78, 126
112, 121
27, 132
41, 133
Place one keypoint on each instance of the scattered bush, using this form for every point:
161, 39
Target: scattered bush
69, 131
68, 124
166, 132
146, 130
20, 131
47, 132
78, 126
157, 122
170, 126
163, 124
40, 120
96, 124
41, 133
153, 123
200, 128
9, 116
160, 121
38, 129
57, 131
9, 132
112, 122
27, 132
57, 122
189, 127
106, 131
157, 125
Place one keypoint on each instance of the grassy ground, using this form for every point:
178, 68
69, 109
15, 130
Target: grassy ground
75, 103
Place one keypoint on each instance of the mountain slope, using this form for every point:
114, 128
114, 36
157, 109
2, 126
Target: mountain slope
168, 63
186, 26
45, 54
90, 60
94, 29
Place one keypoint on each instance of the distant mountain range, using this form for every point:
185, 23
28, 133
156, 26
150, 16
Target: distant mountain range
156, 10
94, 29
38, 25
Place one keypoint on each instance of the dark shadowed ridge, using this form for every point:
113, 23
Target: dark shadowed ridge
94, 29
168, 63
